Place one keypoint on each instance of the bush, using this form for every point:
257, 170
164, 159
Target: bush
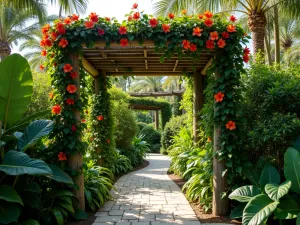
140, 126
124, 119
121, 165
152, 137
144, 117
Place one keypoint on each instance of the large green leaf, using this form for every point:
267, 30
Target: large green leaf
15, 88
237, 212
287, 209
292, 168
30, 222
276, 191
60, 176
298, 219
269, 175
58, 216
258, 210
36, 130
80, 215
9, 212
245, 193
17, 163
9, 194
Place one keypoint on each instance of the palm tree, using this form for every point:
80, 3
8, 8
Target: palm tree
147, 84
254, 9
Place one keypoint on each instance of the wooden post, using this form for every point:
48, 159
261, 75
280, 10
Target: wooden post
75, 161
198, 98
156, 117
220, 206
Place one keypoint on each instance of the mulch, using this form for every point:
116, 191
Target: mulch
92, 218
202, 216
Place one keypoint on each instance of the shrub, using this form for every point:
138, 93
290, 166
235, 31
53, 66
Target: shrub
151, 136
121, 164
141, 148
143, 117
140, 126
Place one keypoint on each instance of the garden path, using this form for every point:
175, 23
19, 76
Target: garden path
147, 197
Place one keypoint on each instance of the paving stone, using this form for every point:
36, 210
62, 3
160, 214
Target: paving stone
103, 219
115, 212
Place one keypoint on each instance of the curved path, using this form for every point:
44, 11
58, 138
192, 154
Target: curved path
147, 197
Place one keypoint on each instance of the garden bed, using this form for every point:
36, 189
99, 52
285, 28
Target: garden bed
202, 216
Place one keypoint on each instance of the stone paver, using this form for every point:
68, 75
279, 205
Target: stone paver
147, 197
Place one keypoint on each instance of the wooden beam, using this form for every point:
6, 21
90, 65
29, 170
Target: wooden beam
198, 97
176, 63
145, 73
203, 71
114, 65
89, 67
132, 44
143, 107
156, 117
156, 94
145, 55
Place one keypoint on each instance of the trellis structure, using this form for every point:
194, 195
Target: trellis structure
146, 46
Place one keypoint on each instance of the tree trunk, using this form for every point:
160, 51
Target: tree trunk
257, 24
156, 117
4, 50
268, 50
198, 98
276, 35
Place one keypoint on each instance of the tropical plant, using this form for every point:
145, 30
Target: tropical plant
151, 137
141, 147
120, 165
147, 84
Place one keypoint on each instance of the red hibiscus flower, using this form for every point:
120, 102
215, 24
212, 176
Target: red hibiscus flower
101, 31
210, 44
232, 18
54, 35
186, 44
171, 16
73, 74
56, 109
46, 28
63, 43
43, 52
193, 47
100, 118
129, 18
197, 31
124, 42
122, 30
200, 16
214, 35
136, 15
45, 43
71, 88
209, 139
68, 68
247, 51
60, 27
107, 19
70, 101
135, 6
225, 34
230, 125
107, 141
62, 156
94, 17
75, 17
208, 14
246, 58
219, 97
89, 24
165, 28
208, 22
83, 121
231, 28
74, 128
42, 67
67, 21
153, 22
221, 43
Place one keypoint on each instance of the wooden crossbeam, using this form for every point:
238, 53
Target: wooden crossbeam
156, 94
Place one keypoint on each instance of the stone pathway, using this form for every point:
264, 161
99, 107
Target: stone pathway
147, 197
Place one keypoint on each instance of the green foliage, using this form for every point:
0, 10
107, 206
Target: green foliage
141, 147
292, 168
152, 137
98, 183
162, 104
143, 117
120, 165
125, 127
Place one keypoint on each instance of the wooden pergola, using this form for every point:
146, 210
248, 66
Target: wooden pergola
143, 60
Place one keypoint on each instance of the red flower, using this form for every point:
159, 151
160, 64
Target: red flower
214, 35
122, 30
70, 101
75, 17
68, 68
46, 28
107, 19
230, 125
62, 156
101, 31
208, 14
89, 24
171, 16
221, 43
209, 139
60, 27
94, 17
129, 17
231, 28
246, 58
51, 95
208, 22
247, 51
45, 43
153, 22
200, 16
135, 6
56, 109
184, 11
186, 44
73, 128
68, 20
44, 53
210, 44
232, 18
124, 42
54, 35
73, 74
225, 34
136, 15
42, 67
46, 36
193, 47
219, 97
71, 88
166, 28
100, 118
107, 141
83, 121
197, 31
63, 43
